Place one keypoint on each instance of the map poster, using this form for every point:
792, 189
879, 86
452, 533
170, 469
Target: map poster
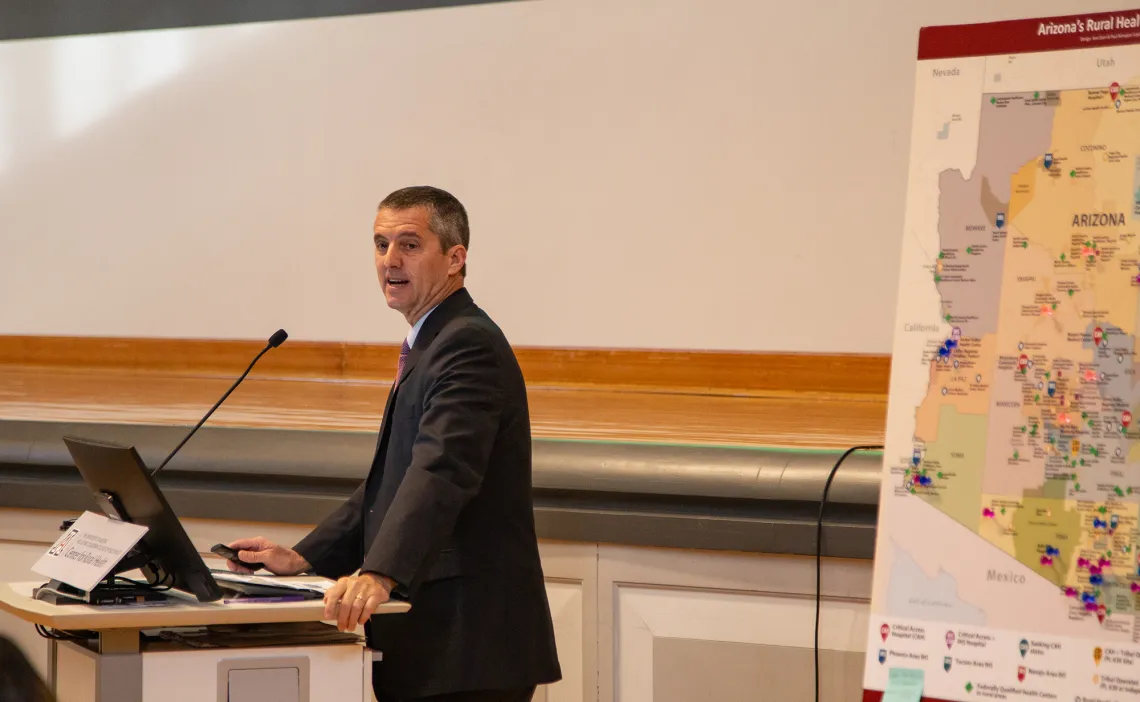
1007, 561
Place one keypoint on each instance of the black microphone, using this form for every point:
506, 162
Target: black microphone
276, 340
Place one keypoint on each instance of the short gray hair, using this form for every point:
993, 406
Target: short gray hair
446, 214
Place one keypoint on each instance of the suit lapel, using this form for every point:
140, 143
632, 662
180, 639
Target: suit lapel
440, 316
385, 424
437, 320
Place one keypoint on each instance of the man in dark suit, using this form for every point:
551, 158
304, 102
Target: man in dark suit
445, 517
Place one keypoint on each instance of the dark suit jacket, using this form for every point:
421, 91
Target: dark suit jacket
446, 512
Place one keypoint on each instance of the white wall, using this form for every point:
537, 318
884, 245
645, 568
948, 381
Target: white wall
721, 174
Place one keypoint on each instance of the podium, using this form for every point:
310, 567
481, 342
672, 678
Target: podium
172, 635
139, 653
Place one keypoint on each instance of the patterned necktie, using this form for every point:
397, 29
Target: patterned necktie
404, 349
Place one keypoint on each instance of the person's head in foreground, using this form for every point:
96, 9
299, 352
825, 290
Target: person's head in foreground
19, 681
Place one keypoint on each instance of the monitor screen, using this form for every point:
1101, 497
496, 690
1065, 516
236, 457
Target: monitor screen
125, 490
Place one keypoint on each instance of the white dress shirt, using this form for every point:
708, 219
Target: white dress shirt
415, 330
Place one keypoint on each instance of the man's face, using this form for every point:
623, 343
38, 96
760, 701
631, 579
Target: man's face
415, 272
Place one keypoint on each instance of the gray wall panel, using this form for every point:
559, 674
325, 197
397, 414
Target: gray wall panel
650, 495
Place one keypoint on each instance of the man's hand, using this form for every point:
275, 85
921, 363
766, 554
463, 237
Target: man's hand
354, 599
275, 559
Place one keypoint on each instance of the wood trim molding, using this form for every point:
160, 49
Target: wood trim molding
201, 357
708, 372
695, 372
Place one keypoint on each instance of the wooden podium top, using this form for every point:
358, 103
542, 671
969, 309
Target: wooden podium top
16, 598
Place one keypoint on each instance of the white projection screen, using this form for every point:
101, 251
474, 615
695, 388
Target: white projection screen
639, 173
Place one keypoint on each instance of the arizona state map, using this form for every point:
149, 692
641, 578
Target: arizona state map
1008, 553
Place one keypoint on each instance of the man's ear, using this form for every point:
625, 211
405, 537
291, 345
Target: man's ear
457, 258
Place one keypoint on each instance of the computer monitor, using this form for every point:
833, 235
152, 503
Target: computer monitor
125, 490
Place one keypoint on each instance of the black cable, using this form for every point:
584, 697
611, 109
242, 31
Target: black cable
161, 586
62, 635
116, 581
819, 549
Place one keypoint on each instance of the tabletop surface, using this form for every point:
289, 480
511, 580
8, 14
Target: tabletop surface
16, 599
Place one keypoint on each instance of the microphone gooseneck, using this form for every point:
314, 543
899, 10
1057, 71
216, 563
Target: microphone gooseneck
276, 340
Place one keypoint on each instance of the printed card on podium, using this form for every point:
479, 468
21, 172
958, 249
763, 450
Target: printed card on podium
88, 550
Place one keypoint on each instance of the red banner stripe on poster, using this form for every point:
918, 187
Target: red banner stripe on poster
1030, 36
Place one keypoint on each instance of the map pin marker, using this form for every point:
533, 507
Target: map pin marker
1098, 334
1114, 90
884, 631
1023, 361
1125, 418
